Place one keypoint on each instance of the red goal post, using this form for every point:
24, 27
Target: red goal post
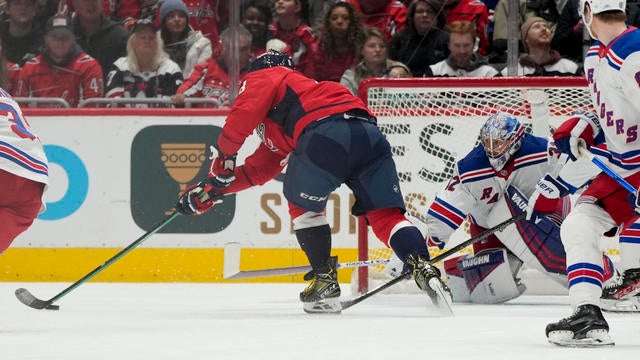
431, 122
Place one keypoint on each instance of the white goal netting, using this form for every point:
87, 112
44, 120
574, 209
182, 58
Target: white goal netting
430, 123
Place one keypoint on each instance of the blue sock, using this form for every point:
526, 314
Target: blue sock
408, 240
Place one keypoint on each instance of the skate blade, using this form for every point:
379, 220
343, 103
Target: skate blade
593, 338
324, 306
443, 300
621, 306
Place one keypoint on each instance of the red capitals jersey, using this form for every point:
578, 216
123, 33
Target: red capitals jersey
13, 70
278, 103
205, 15
302, 43
81, 79
391, 20
473, 11
208, 80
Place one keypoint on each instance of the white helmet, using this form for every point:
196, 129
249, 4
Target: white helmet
501, 136
597, 7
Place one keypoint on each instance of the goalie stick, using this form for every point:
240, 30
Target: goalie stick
349, 303
28, 299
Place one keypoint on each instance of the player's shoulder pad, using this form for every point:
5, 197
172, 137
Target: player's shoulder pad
475, 160
626, 45
532, 145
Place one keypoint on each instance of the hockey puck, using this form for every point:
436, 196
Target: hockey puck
52, 307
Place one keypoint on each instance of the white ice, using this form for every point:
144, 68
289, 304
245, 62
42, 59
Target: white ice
265, 321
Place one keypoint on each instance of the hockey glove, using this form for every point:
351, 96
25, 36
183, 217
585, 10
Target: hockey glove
545, 198
197, 198
582, 127
634, 200
221, 173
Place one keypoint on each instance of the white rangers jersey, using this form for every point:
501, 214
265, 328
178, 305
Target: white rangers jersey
613, 76
21, 152
476, 187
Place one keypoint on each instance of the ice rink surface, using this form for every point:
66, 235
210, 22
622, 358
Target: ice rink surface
266, 321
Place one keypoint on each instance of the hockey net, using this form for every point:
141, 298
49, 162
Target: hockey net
432, 122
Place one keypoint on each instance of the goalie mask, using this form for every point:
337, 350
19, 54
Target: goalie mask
501, 136
270, 59
597, 7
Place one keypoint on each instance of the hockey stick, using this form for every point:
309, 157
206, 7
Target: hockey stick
28, 299
349, 303
584, 152
231, 270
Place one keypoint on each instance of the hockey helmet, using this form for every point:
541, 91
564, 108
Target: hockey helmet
270, 59
501, 136
597, 7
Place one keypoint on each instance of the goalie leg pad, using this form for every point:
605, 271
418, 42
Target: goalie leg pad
489, 276
455, 279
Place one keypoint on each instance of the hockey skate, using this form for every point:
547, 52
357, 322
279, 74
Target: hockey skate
622, 295
322, 295
427, 277
586, 327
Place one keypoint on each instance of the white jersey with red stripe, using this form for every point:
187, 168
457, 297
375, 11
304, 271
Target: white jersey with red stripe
21, 152
613, 76
476, 187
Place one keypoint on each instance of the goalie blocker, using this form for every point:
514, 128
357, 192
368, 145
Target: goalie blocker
490, 275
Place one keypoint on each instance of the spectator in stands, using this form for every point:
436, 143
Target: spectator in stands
256, 17
390, 16
146, 71
317, 13
21, 36
186, 46
341, 38
398, 70
98, 35
463, 61
473, 11
130, 9
63, 70
292, 28
422, 42
500, 30
210, 79
208, 17
540, 59
8, 72
375, 61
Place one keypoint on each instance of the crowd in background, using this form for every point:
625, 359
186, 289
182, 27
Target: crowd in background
176, 50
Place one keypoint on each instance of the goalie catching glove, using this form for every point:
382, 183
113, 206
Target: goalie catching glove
544, 200
582, 127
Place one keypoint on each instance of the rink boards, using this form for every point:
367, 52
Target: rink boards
116, 173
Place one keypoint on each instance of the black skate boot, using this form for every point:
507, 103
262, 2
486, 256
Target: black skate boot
322, 295
586, 327
427, 277
622, 295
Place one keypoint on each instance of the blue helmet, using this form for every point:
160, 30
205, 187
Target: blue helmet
270, 59
501, 135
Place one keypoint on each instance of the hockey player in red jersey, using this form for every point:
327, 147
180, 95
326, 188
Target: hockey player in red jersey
612, 68
63, 70
326, 137
23, 172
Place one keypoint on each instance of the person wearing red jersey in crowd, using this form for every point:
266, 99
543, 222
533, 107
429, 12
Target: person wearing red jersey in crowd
256, 17
134, 9
326, 137
292, 28
63, 70
341, 36
389, 16
24, 172
210, 79
186, 47
208, 17
473, 11
8, 72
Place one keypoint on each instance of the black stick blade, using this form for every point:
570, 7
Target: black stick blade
28, 299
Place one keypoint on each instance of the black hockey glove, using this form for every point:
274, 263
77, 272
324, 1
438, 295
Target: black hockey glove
198, 198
